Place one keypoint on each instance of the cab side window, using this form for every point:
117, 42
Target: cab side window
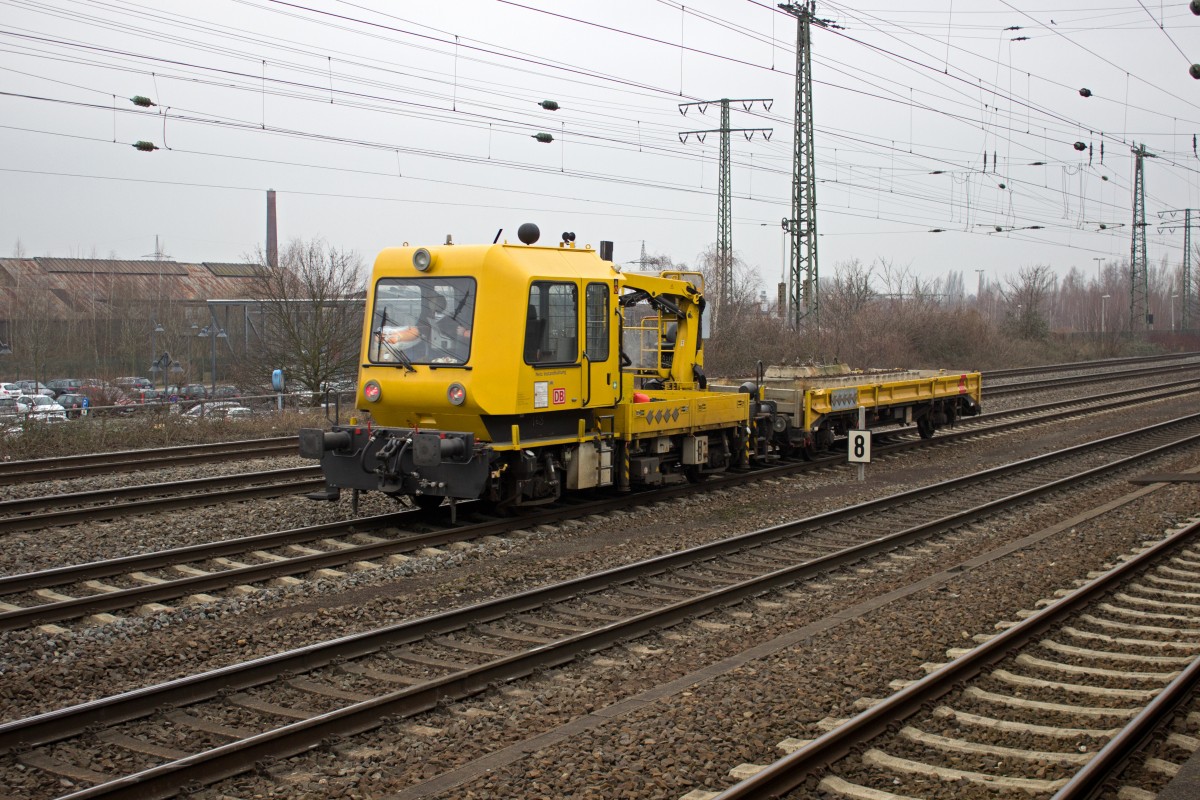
596, 322
552, 323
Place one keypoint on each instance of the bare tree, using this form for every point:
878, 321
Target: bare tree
741, 295
1027, 295
312, 313
955, 288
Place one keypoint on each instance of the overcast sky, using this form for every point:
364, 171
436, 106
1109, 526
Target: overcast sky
380, 123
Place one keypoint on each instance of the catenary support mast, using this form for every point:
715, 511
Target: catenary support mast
724, 192
1139, 291
804, 276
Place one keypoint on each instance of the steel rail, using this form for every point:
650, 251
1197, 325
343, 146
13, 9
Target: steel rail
26, 504
296, 483
1095, 364
1088, 781
181, 587
129, 460
216, 763
1081, 380
791, 771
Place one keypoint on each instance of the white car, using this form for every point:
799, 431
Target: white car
10, 390
40, 407
222, 409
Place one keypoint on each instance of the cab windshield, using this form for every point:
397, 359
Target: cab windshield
422, 321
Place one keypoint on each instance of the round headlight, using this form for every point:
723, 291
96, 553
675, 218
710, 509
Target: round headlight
371, 391
422, 260
456, 394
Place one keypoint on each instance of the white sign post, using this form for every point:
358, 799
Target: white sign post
858, 450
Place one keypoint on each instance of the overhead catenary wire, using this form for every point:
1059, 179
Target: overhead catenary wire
759, 165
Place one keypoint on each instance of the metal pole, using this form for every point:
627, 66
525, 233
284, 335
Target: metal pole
862, 426
213, 340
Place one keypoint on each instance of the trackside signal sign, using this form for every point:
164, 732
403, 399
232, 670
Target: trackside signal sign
858, 450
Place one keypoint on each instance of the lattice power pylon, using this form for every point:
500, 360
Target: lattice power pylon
724, 188
804, 276
1139, 292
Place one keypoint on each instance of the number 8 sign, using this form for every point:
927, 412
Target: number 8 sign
859, 449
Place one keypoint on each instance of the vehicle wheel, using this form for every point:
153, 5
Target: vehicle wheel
925, 427
693, 474
426, 502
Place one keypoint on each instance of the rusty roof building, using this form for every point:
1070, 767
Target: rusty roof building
102, 317
68, 287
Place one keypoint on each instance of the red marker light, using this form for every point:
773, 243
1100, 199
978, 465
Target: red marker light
456, 394
372, 392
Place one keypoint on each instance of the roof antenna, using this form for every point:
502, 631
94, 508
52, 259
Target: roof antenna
498, 235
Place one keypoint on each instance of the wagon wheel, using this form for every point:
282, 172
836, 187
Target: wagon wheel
925, 427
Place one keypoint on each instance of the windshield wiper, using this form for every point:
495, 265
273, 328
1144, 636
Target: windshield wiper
400, 355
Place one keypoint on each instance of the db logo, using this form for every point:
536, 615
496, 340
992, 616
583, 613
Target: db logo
559, 397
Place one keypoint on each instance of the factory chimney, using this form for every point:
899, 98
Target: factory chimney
272, 231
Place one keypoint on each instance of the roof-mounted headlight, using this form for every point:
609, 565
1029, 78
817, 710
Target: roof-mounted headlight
422, 260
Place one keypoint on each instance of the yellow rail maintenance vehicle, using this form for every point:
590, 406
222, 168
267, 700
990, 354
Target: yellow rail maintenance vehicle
513, 373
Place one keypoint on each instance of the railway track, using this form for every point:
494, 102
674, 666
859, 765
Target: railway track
59, 468
1055, 704
1053, 384
1086, 365
144, 582
227, 720
15, 472
104, 504
36, 513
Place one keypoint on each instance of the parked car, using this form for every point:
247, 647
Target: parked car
186, 392
8, 408
76, 405
10, 390
107, 399
218, 410
34, 387
193, 391
134, 384
226, 392
65, 385
38, 406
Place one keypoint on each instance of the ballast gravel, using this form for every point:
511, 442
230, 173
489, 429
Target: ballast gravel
687, 740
